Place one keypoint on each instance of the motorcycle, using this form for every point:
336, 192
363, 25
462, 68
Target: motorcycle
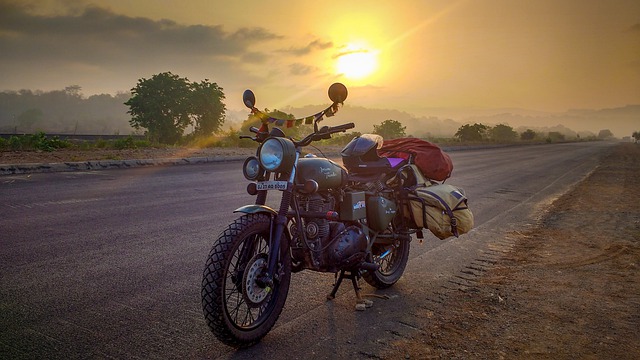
350, 220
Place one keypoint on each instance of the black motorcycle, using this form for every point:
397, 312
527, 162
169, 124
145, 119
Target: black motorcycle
350, 220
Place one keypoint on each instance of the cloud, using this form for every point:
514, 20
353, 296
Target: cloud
97, 35
349, 52
314, 45
301, 69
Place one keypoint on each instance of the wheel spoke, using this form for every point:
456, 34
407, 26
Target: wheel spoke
238, 309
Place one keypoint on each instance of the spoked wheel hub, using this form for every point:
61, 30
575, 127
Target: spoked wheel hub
255, 289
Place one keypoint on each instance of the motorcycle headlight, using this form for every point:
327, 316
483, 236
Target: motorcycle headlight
277, 154
251, 168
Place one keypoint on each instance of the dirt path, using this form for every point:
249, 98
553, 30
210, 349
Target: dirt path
568, 289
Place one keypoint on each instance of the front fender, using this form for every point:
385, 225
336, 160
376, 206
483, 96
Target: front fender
256, 209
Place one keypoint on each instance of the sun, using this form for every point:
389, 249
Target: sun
356, 64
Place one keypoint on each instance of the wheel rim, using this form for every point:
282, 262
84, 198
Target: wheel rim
389, 262
247, 312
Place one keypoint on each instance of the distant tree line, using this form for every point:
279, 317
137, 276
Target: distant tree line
170, 109
63, 111
504, 133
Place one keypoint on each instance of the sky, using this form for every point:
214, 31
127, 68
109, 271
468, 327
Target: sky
410, 55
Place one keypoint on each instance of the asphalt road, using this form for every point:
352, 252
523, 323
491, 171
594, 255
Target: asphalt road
108, 264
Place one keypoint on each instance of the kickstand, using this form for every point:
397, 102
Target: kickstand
361, 304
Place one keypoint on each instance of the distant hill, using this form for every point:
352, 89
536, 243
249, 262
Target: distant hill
621, 121
67, 111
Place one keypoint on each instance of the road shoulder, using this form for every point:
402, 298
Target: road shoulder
568, 287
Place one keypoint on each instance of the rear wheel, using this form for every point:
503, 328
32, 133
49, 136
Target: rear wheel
392, 259
239, 307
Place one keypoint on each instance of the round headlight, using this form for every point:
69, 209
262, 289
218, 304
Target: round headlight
277, 154
251, 168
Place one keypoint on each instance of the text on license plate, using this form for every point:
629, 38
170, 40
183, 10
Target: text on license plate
271, 185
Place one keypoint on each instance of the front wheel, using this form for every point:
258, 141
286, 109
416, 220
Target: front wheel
392, 260
239, 307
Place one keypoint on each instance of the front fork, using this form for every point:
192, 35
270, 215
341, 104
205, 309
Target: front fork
279, 224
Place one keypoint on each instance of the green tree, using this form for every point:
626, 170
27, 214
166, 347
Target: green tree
528, 135
167, 104
503, 133
207, 108
636, 135
475, 132
161, 105
390, 129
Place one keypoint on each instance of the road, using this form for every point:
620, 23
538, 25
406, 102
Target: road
108, 264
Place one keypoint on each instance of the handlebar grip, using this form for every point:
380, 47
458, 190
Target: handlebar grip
343, 127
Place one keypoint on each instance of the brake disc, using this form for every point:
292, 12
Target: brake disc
254, 292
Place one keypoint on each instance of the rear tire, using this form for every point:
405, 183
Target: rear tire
391, 266
239, 310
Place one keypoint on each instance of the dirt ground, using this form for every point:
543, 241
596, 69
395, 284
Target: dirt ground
568, 289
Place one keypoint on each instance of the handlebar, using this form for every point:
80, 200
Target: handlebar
337, 93
343, 127
323, 133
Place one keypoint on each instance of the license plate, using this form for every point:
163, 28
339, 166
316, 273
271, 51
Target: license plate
271, 185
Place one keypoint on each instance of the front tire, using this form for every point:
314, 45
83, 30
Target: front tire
392, 264
239, 308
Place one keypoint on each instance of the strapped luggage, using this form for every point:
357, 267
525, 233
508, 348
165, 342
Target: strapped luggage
442, 209
430, 159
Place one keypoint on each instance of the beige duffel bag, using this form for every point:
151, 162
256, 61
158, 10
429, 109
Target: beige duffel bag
442, 209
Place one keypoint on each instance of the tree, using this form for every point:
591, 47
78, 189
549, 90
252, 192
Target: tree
166, 104
390, 129
475, 132
605, 134
555, 136
528, 135
207, 109
503, 133
160, 105
636, 135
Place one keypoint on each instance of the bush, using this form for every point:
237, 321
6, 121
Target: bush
38, 141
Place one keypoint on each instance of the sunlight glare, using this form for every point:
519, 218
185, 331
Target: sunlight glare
356, 64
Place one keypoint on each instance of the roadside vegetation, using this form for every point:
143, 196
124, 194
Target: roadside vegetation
41, 142
171, 111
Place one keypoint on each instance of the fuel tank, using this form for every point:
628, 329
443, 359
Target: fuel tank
327, 173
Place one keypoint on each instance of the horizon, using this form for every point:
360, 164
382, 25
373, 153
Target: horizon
107, 114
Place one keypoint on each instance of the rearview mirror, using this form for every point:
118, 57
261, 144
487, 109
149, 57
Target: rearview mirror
338, 93
249, 99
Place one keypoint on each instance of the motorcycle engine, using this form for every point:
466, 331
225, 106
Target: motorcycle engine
329, 245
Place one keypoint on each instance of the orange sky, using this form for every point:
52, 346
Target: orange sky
545, 55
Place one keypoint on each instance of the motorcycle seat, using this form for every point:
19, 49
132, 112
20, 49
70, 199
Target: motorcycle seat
373, 167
